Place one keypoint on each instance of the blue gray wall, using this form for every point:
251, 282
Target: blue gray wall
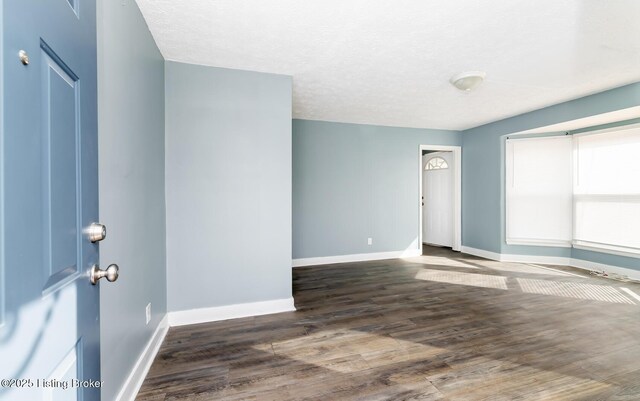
131, 152
228, 163
483, 214
352, 182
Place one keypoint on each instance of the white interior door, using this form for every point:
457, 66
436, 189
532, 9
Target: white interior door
437, 192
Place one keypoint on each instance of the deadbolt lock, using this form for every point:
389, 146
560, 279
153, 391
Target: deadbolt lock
96, 232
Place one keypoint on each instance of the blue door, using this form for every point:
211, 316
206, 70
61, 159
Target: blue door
49, 310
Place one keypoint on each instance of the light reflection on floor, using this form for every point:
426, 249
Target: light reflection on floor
351, 351
630, 292
573, 290
553, 285
440, 261
529, 269
473, 279
347, 350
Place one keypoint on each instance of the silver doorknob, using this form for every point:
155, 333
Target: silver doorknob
96, 232
24, 57
111, 273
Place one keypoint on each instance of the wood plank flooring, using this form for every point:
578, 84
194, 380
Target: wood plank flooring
446, 326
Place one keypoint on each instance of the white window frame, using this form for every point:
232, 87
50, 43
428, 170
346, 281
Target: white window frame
597, 246
509, 240
577, 244
430, 166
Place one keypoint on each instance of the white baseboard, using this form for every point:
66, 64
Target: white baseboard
622, 271
204, 315
543, 260
139, 372
137, 375
553, 260
358, 257
481, 253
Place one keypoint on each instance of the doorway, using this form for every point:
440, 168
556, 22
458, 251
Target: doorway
440, 197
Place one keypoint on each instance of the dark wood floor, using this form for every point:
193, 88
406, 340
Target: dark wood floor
446, 326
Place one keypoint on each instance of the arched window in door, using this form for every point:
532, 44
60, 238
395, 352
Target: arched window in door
436, 163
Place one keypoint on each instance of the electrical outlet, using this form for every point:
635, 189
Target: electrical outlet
369, 241
148, 312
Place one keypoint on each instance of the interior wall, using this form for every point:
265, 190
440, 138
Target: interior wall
228, 186
352, 182
132, 206
483, 221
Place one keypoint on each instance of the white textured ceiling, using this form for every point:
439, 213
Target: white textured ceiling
389, 62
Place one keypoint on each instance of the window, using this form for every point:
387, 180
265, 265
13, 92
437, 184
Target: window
538, 191
607, 190
581, 191
436, 163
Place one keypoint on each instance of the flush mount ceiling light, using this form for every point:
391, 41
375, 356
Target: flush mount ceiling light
467, 81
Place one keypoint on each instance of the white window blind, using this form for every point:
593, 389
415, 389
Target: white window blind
539, 191
607, 190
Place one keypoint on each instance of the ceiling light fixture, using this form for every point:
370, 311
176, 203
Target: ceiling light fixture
467, 81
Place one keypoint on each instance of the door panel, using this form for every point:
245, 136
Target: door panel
61, 191
437, 190
49, 196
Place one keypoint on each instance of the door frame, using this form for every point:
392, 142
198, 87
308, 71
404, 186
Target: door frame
457, 192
